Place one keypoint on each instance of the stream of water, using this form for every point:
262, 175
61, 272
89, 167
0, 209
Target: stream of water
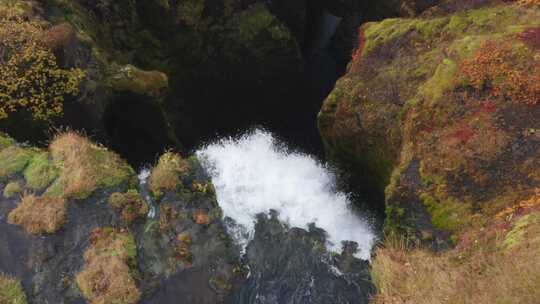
254, 174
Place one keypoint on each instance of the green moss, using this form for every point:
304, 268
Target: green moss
130, 246
377, 34
6, 141
55, 190
12, 189
519, 231
11, 291
254, 21
441, 82
448, 214
113, 170
13, 160
431, 29
40, 172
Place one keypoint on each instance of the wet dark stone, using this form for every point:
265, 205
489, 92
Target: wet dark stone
291, 265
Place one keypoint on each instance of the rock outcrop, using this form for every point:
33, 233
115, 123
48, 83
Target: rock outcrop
441, 112
77, 224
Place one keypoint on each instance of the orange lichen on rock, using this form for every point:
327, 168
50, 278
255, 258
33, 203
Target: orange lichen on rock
494, 69
201, 217
38, 215
524, 206
528, 3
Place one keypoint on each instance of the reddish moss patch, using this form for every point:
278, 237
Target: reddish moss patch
130, 204
495, 68
531, 36
201, 217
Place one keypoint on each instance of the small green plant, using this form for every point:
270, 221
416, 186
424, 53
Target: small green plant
11, 291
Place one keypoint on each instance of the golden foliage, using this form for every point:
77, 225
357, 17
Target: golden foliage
106, 277
38, 215
30, 78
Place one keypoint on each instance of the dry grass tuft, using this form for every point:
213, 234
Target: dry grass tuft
85, 166
130, 204
106, 277
167, 173
11, 291
499, 263
38, 215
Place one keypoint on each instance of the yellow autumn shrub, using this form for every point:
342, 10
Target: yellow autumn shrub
30, 78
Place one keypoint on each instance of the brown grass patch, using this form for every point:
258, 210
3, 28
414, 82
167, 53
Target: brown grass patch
85, 166
484, 271
38, 215
167, 173
106, 277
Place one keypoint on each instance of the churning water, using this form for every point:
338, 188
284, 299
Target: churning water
254, 174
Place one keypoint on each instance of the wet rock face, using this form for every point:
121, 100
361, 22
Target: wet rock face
291, 265
184, 242
427, 108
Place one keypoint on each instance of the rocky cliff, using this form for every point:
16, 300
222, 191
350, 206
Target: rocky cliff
442, 111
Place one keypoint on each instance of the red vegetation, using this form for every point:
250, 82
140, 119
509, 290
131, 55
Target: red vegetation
494, 70
59, 36
487, 107
463, 134
201, 217
360, 49
531, 37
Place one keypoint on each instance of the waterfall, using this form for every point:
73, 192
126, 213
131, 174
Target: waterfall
253, 174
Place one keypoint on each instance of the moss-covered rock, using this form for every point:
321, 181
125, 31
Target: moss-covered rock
12, 189
439, 109
130, 204
131, 79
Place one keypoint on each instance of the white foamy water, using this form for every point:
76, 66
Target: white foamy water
253, 175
